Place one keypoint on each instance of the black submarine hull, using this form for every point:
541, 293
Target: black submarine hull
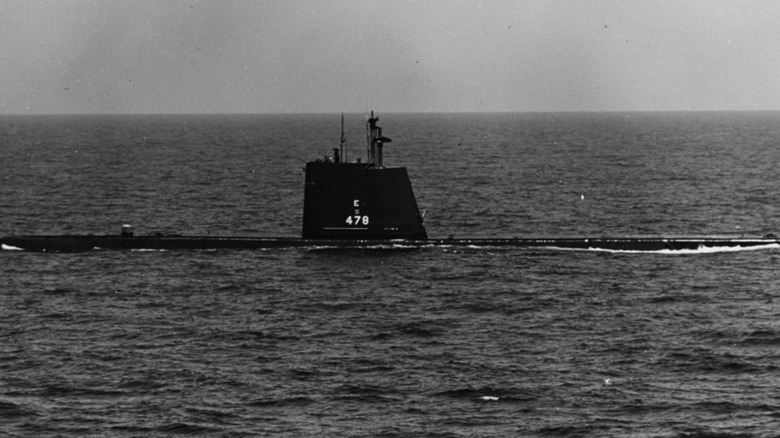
82, 243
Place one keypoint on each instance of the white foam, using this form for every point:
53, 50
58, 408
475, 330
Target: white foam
700, 250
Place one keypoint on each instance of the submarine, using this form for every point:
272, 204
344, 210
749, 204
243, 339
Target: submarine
364, 204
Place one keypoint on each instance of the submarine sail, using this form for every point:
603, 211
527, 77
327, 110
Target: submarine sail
360, 200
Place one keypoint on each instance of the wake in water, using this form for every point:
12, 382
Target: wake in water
700, 250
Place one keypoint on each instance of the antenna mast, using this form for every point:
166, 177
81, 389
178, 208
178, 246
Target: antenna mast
343, 141
375, 141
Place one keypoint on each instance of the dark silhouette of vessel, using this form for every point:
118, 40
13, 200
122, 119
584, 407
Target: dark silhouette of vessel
363, 204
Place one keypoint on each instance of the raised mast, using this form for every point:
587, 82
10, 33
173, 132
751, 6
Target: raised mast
370, 122
343, 141
375, 141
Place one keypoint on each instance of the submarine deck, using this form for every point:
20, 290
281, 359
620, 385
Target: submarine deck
80, 243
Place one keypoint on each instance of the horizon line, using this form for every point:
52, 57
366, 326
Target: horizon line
387, 112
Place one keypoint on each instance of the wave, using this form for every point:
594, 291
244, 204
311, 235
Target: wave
298, 401
182, 428
488, 394
9, 409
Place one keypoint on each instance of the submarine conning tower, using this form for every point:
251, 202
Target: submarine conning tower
360, 200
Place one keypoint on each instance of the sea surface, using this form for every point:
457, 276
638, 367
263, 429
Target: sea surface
393, 342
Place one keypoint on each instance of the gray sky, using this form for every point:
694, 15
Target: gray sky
247, 56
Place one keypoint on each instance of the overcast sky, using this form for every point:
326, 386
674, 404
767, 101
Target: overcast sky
250, 56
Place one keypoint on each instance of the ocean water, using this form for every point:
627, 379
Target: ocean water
392, 342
